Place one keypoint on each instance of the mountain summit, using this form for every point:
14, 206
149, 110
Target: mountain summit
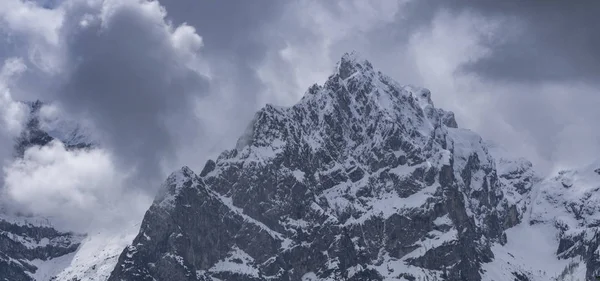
362, 179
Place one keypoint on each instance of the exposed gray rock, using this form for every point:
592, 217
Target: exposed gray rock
22, 243
363, 179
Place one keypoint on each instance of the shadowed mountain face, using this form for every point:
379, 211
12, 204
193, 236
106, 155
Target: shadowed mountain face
363, 179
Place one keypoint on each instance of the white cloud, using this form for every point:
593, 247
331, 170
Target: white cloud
439, 51
103, 185
12, 113
33, 32
74, 188
27, 17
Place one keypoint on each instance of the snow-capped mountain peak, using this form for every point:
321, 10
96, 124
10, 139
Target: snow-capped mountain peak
351, 64
358, 152
362, 179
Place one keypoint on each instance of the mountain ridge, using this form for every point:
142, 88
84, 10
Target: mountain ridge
316, 173
362, 179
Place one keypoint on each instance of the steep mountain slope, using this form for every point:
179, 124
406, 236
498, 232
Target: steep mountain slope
570, 202
363, 179
558, 238
26, 243
97, 255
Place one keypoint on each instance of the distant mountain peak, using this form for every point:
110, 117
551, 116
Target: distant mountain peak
355, 108
356, 81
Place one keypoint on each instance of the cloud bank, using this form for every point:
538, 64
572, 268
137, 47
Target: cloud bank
70, 185
133, 75
170, 83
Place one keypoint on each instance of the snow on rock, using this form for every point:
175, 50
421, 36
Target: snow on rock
171, 188
48, 269
70, 132
531, 249
559, 225
237, 261
98, 254
363, 178
571, 198
310, 276
31, 248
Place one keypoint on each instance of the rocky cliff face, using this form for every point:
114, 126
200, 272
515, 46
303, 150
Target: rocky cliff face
363, 179
24, 245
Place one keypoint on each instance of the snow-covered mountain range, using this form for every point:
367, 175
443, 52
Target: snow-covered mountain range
362, 179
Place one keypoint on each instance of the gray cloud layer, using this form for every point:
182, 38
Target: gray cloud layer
125, 73
543, 40
520, 72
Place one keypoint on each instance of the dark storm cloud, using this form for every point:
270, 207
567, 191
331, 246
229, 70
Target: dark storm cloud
229, 27
234, 36
539, 41
542, 40
126, 75
545, 54
118, 65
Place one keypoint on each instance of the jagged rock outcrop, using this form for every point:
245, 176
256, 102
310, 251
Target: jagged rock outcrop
363, 179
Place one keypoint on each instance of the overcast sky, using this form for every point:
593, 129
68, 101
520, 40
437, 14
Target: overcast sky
175, 82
